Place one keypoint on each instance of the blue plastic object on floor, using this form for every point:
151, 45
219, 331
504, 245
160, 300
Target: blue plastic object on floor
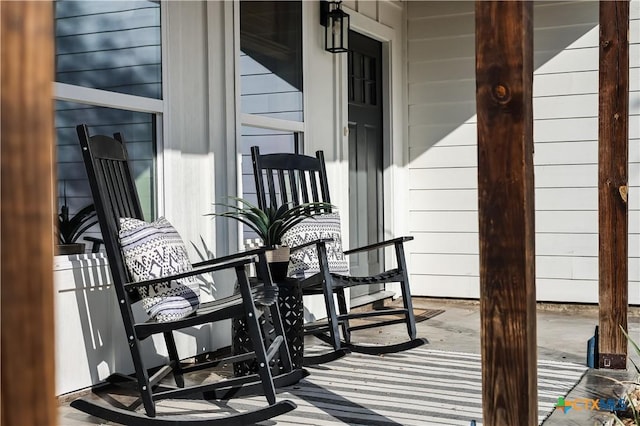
592, 350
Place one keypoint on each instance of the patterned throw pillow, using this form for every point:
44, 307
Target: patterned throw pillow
154, 250
304, 262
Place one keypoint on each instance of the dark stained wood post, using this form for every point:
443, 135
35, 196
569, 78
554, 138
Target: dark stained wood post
504, 82
26, 218
613, 160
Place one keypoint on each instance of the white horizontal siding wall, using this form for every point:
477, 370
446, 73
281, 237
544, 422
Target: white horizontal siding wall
443, 202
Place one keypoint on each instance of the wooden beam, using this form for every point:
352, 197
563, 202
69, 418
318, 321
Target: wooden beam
613, 160
504, 81
26, 213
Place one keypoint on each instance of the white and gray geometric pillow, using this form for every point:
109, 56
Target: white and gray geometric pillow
304, 262
155, 250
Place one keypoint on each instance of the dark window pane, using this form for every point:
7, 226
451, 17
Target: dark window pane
271, 59
109, 45
138, 129
362, 79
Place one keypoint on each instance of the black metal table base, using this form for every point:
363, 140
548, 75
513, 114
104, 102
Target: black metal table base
292, 313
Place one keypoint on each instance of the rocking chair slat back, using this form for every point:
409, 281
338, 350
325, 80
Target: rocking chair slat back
289, 178
115, 196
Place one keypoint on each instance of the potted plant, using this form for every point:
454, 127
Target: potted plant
630, 416
70, 228
271, 224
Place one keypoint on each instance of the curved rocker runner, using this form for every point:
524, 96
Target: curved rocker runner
134, 418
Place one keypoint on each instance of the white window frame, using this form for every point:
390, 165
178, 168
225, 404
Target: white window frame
104, 98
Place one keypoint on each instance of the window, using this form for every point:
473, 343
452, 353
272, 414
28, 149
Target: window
271, 89
108, 76
271, 59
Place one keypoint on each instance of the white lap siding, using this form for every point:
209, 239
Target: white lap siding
443, 150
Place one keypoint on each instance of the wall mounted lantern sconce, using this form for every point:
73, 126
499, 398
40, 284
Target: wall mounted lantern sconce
336, 26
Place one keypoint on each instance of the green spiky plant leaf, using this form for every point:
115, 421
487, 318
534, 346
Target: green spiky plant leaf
635, 413
71, 227
635, 347
272, 223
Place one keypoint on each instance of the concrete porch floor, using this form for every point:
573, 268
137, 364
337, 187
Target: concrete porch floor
562, 334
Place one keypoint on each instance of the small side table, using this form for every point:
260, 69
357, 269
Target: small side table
292, 314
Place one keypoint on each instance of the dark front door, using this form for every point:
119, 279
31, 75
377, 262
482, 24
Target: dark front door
365, 155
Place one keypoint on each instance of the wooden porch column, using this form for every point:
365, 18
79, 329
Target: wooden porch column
26, 213
504, 81
613, 160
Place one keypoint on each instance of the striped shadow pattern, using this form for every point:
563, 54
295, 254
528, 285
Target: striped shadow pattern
416, 387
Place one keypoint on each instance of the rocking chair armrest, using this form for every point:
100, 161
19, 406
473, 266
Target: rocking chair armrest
238, 255
196, 271
398, 240
310, 243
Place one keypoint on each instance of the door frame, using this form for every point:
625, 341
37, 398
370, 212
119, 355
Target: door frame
394, 109
366, 185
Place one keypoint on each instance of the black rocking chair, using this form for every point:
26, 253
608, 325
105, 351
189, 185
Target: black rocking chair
115, 197
295, 178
